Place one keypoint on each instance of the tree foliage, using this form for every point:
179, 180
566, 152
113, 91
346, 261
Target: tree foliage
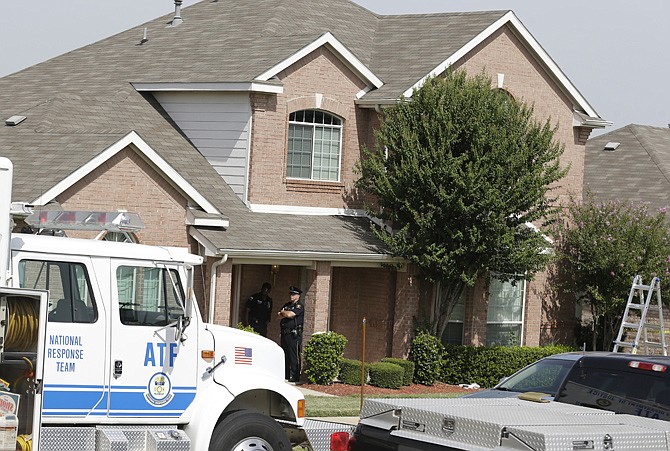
458, 171
600, 248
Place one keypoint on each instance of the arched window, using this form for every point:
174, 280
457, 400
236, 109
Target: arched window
314, 146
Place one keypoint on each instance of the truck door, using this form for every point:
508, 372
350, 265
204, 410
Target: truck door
23, 343
153, 367
74, 386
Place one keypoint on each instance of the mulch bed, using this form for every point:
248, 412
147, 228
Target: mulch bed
340, 389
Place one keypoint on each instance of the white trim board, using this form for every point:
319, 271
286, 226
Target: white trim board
325, 39
533, 45
146, 151
269, 88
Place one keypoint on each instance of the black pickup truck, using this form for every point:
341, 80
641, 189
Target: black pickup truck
598, 385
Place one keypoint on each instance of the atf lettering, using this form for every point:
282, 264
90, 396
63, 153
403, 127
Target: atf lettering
150, 354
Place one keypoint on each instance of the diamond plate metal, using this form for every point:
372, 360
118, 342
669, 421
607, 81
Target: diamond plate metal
623, 437
67, 438
318, 432
168, 440
480, 423
111, 440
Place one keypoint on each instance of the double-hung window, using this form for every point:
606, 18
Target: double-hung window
504, 325
314, 146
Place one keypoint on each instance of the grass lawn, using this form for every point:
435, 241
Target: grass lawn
349, 406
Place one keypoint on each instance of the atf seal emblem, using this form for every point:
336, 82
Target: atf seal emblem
159, 390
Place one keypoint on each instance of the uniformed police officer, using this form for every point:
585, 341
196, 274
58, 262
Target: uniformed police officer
292, 317
259, 306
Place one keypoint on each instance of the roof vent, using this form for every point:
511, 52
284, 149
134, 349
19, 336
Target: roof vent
15, 120
612, 145
177, 20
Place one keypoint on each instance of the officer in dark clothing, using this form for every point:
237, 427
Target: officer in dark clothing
259, 308
292, 317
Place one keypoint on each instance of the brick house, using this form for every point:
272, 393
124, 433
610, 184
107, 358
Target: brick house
234, 131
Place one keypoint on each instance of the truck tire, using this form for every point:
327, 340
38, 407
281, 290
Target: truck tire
245, 430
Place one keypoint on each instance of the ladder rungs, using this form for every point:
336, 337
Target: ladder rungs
652, 344
641, 287
624, 343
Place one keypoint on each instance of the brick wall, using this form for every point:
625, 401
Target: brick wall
127, 182
302, 82
359, 293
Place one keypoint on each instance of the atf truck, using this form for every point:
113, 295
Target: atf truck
102, 347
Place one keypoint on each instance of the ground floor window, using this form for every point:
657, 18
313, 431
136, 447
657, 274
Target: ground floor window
504, 321
453, 334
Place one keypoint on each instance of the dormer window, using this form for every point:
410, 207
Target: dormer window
314, 146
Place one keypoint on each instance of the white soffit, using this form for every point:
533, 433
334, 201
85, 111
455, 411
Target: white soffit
523, 32
269, 88
326, 38
146, 150
306, 211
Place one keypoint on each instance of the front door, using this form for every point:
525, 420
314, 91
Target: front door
153, 365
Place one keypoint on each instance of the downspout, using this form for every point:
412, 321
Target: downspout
212, 287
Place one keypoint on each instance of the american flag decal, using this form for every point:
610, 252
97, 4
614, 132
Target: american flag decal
243, 356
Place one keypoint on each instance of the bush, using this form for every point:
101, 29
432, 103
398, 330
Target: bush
350, 372
323, 357
407, 366
386, 375
487, 365
426, 352
246, 328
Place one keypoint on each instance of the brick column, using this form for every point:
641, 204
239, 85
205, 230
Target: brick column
533, 310
407, 297
318, 297
224, 288
476, 309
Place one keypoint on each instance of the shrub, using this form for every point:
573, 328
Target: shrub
246, 328
350, 372
487, 365
426, 352
386, 375
323, 357
407, 366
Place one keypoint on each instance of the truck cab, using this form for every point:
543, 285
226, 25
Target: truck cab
102, 345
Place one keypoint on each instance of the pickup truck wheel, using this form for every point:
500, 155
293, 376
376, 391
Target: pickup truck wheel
249, 431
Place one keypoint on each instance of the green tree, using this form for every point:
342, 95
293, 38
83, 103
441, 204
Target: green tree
600, 248
458, 171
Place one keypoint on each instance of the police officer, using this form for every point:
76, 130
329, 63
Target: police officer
259, 306
292, 317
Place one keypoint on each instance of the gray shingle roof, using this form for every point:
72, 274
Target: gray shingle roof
637, 171
82, 102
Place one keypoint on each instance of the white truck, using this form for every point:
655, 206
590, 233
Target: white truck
102, 347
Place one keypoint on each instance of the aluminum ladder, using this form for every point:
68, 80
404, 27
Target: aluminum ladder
648, 331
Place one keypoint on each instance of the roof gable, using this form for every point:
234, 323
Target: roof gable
328, 40
134, 140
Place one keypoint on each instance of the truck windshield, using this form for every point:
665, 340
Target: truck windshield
544, 376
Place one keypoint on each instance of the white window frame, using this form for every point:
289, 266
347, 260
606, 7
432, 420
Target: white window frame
521, 323
314, 126
451, 320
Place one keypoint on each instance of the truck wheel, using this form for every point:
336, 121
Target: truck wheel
249, 431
